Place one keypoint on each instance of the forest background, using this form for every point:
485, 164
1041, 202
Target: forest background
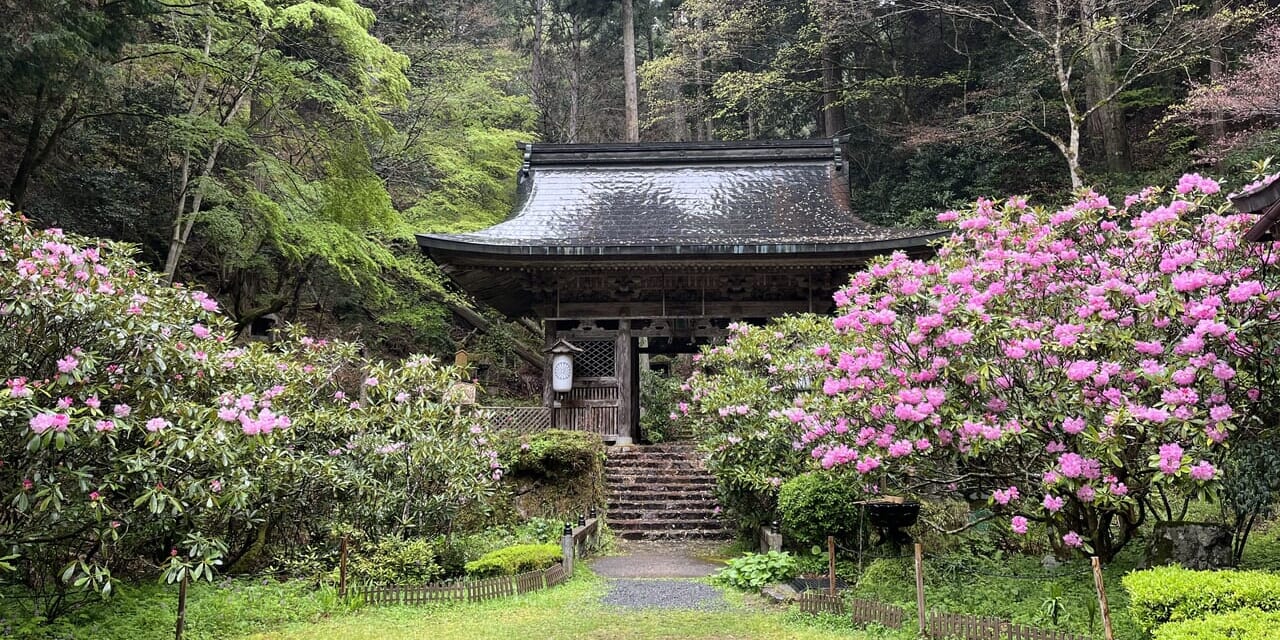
282, 153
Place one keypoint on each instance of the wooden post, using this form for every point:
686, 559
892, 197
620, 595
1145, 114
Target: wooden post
182, 608
624, 370
831, 565
342, 566
920, 586
566, 548
1102, 598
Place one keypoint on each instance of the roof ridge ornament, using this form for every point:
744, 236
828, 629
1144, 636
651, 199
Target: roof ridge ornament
524, 166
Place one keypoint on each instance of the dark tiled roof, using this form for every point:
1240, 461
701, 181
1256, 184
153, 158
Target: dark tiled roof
781, 197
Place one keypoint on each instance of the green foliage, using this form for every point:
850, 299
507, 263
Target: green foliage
658, 395
395, 561
515, 559
755, 570
817, 504
554, 454
1243, 624
1171, 594
147, 611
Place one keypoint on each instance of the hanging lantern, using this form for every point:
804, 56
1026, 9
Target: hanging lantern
562, 353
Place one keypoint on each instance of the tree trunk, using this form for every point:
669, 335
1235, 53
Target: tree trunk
631, 97
702, 128
37, 150
536, 64
1106, 122
832, 111
575, 78
1217, 69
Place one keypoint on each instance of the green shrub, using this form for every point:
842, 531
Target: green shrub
1170, 594
817, 504
658, 395
755, 570
1242, 624
555, 454
515, 559
396, 561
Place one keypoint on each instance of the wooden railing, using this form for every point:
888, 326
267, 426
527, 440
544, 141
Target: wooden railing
602, 421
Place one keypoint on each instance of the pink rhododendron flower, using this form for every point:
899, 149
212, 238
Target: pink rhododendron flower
1203, 471
1018, 524
1052, 503
1073, 540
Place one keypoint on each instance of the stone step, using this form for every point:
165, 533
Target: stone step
679, 534
659, 514
654, 524
659, 480
624, 499
643, 492
671, 447
661, 503
653, 464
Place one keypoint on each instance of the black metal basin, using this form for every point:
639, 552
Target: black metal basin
892, 515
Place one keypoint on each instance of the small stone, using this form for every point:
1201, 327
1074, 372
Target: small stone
779, 593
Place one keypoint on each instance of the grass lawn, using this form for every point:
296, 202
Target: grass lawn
566, 612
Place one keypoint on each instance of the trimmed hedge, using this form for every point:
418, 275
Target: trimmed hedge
1172, 594
1242, 624
509, 561
818, 504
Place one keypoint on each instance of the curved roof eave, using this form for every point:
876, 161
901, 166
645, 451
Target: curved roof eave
477, 250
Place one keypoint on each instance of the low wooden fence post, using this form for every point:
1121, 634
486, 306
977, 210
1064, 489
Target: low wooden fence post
567, 548
182, 609
342, 567
1102, 598
920, 586
831, 565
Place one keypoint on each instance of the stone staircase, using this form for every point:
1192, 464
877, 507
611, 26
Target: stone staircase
661, 492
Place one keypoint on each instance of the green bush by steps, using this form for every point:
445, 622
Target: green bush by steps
1241, 624
1171, 594
515, 559
818, 504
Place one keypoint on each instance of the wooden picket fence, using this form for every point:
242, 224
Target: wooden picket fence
817, 602
947, 626
942, 625
869, 611
469, 591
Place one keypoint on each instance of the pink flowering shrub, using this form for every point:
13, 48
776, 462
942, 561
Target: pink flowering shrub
1076, 364
137, 431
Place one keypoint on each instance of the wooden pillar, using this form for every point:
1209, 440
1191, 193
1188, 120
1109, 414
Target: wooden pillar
624, 368
549, 338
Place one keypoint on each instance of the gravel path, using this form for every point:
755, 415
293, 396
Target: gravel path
631, 593
657, 576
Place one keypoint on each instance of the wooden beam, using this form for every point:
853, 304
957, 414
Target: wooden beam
480, 322
711, 309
